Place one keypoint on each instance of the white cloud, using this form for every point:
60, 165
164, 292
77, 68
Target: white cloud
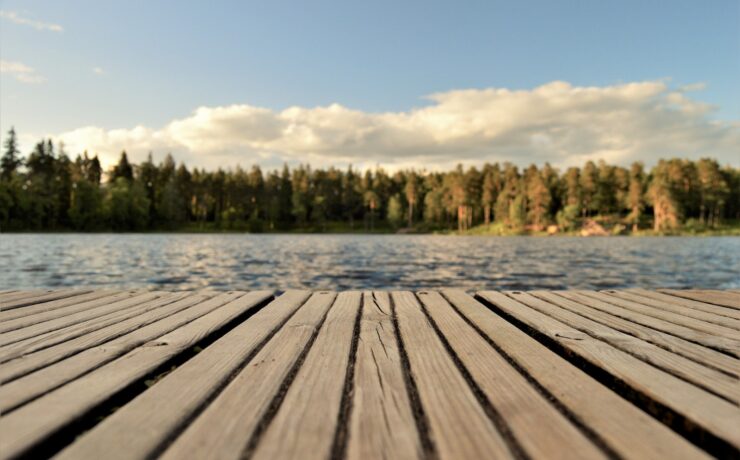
21, 72
98, 71
13, 16
555, 122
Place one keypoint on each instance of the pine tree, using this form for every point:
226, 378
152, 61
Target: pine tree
538, 200
636, 195
589, 181
662, 194
490, 190
412, 195
11, 160
122, 170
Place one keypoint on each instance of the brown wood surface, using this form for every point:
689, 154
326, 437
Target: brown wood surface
701, 355
701, 376
37, 298
458, 424
307, 419
699, 408
729, 299
97, 309
623, 428
224, 428
526, 413
690, 303
720, 318
158, 308
144, 427
529, 375
671, 316
24, 389
21, 317
33, 423
707, 340
382, 422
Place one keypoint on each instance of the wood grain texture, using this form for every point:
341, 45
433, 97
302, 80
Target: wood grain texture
128, 310
672, 317
532, 419
706, 316
382, 422
703, 377
701, 355
620, 374
32, 424
144, 426
625, 429
21, 317
26, 388
730, 299
684, 302
98, 310
22, 294
306, 422
699, 408
703, 339
157, 309
458, 425
224, 428
37, 298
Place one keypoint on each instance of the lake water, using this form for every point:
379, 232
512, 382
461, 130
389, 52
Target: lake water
235, 261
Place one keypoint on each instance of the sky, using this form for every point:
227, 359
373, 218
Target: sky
422, 84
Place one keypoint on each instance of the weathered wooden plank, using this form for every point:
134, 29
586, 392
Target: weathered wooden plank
8, 293
307, 420
457, 422
29, 426
623, 429
142, 428
701, 315
689, 303
99, 309
715, 418
586, 306
672, 317
34, 314
47, 296
23, 294
158, 308
130, 308
723, 298
24, 389
224, 428
717, 343
579, 318
538, 426
382, 422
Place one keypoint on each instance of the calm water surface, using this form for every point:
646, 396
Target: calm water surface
182, 261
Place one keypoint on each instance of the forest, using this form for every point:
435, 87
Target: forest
47, 190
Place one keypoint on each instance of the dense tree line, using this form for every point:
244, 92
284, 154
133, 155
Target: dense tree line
47, 190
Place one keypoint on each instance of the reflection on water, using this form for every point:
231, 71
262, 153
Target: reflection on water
231, 261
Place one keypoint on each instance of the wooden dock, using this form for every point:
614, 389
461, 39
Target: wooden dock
92, 374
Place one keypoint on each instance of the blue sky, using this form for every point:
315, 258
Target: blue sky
159, 61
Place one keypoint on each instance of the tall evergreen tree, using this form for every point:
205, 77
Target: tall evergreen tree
122, 170
11, 160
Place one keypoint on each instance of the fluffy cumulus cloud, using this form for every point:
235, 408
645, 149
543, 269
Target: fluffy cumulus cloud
20, 72
555, 122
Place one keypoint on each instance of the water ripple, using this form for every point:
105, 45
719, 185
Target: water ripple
182, 261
